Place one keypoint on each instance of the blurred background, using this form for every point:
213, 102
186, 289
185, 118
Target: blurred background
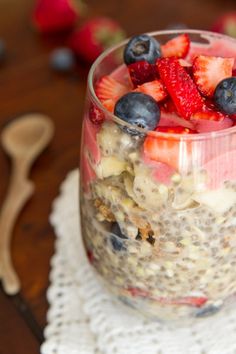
46, 49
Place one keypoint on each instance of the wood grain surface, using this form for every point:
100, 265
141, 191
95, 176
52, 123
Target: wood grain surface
27, 84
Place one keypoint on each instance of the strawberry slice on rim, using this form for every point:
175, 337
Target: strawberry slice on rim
180, 87
109, 90
208, 71
155, 89
176, 47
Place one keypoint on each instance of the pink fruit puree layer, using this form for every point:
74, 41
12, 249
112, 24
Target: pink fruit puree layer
177, 211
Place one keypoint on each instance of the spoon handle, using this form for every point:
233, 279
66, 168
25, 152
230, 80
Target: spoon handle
20, 190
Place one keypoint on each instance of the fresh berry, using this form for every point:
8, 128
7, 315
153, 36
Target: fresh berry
208, 115
116, 238
226, 24
166, 149
2, 51
225, 95
141, 72
96, 115
142, 47
55, 15
155, 89
180, 86
176, 47
208, 71
208, 311
62, 60
138, 109
97, 34
188, 300
109, 90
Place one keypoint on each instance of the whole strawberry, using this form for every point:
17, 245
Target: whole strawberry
226, 24
55, 15
97, 34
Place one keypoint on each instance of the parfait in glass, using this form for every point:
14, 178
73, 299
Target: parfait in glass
158, 173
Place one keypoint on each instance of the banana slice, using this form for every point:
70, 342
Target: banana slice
110, 166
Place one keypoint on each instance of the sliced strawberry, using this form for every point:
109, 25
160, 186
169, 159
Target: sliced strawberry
188, 300
141, 72
109, 105
208, 115
169, 116
169, 106
176, 47
154, 88
168, 149
109, 90
175, 130
208, 71
196, 301
180, 86
96, 115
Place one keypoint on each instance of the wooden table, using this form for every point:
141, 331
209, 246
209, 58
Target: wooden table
27, 84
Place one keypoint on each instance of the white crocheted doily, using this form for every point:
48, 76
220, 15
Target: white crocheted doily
84, 319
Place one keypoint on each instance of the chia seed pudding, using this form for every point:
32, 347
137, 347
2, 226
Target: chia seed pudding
158, 205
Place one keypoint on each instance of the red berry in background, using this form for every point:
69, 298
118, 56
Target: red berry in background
226, 24
55, 15
97, 34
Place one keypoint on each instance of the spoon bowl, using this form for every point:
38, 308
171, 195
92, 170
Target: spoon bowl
27, 136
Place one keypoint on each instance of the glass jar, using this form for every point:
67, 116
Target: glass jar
160, 232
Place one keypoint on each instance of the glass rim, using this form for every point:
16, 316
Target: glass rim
142, 131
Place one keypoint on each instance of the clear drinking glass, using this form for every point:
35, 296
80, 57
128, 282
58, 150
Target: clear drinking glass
176, 256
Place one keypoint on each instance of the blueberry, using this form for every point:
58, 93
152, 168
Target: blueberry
142, 47
138, 109
225, 95
116, 238
207, 311
62, 60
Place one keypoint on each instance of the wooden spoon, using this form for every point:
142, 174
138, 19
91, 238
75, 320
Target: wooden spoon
23, 139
